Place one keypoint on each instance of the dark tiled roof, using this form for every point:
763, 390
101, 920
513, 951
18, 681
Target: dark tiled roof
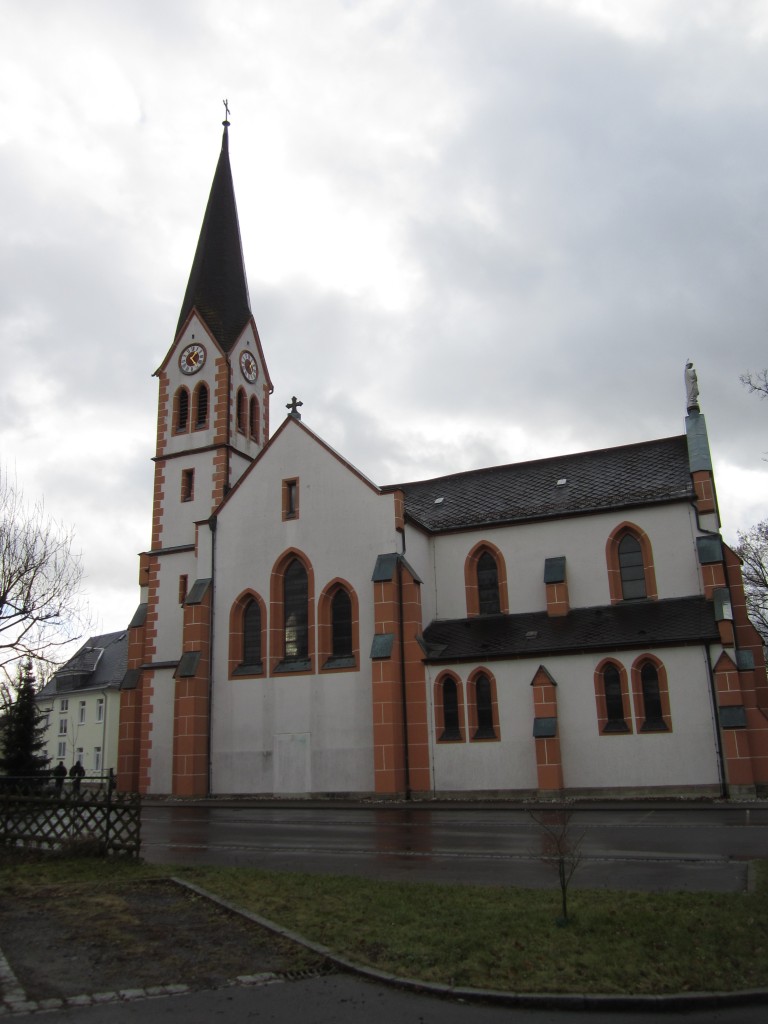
634, 624
636, 474
217, 285
99, 663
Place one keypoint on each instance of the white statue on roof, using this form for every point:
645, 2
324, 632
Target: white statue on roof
691, 388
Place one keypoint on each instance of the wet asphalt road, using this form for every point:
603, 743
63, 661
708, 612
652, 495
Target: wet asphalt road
687, 847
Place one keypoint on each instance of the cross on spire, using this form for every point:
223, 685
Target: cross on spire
293, 408
225, 122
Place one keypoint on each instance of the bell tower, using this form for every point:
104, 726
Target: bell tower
212, 421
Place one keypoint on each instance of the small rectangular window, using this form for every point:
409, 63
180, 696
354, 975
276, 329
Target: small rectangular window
62, 727
81, 713
290, 499
100, 709
97, 759
183, 584
79, 756
62, 748
64, 705
187, 484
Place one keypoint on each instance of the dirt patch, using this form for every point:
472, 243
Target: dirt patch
71, 940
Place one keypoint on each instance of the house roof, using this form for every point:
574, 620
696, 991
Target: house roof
637, 474
631, 624
217, 286
99, 664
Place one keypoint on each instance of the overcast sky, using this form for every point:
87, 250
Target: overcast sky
475, 233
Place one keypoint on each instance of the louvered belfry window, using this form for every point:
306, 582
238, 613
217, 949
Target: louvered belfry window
488, 585
201, 413
295, 605
182, 410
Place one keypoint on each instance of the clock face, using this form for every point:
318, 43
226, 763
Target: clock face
248, 367
192, 359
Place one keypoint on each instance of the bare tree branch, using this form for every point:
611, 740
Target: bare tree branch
752, 549
560, 847
756, 382
41, 575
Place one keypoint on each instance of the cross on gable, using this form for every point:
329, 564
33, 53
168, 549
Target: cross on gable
293, 408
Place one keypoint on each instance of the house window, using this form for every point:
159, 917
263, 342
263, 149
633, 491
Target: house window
240, 410
290, 499
449, 710
482, 706
62, 750
100, 709
187, 484
97, 762
631, 573
181, 411
201, 406
62, 727
295, 610
80, 756
488, 584
81, 713
253, 418
64, 705
183, 584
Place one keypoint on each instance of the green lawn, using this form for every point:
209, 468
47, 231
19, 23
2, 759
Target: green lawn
499, 938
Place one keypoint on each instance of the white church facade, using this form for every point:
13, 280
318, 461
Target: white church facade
569, 624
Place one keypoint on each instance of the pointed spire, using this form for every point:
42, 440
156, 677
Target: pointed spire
217, 285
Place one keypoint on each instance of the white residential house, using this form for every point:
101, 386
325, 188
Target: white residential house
81, 705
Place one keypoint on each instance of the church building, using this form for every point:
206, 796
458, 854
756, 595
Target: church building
566, 625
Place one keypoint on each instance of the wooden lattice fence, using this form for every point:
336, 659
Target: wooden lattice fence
92, 820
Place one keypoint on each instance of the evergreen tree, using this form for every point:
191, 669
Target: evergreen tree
23, 733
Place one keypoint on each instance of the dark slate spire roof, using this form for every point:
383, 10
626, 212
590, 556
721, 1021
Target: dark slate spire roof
217, 285
611, 478
629, 625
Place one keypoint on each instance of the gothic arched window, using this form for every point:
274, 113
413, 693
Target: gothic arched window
296, 612
488, 584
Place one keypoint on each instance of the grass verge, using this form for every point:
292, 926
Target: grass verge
498, 938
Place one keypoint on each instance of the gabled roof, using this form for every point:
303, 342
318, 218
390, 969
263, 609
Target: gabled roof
100, 663
632, 624
294, 421
638, 474
217, 286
